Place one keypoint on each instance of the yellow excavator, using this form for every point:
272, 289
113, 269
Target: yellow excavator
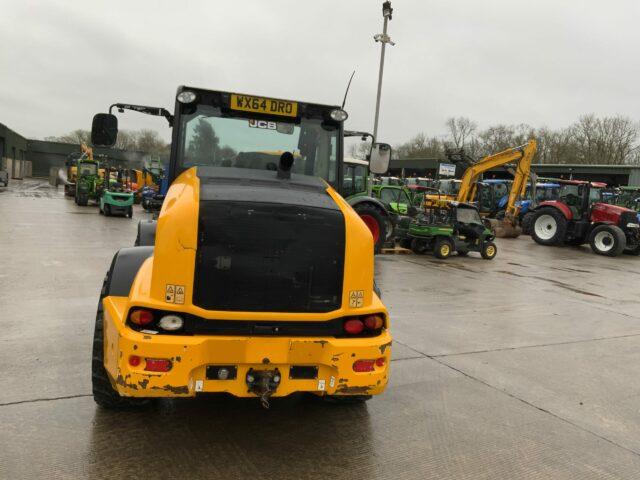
522, 157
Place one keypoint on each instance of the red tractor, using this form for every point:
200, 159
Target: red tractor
579, 216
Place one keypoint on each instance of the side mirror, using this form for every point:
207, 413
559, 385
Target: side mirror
380, 158
104, 130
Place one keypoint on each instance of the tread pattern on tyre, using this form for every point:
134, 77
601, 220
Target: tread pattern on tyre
561, 226
103, 392
366, 209
620, 240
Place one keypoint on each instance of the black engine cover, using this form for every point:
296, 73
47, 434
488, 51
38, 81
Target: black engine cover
265, 245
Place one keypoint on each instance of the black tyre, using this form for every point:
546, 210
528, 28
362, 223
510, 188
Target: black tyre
549, 226
419, 246
103, 392
608, 240
489, 251
107, 210
443, 248
405, 242
527, 223
633, 250
130, 212
83, 199
375, 221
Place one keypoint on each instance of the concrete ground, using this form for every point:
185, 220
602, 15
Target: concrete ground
524, 367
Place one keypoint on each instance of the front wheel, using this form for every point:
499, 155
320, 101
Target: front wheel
443, 248
130, 212
549, 226
489, 251
608, 240
375, 222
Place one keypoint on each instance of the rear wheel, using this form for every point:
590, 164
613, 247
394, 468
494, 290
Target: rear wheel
130, 212
633, 250
107, 209
103, 392
375, 221
489, 251
418, 246
443, 248
607, 240
83, 199
527, 223
549, 227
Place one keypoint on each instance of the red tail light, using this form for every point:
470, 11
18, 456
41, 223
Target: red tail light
157, 365
353, 326
373, 322
141, 317
380, 362
134, 360
363, 365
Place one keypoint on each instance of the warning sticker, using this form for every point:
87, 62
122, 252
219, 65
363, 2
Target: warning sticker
199, 385
321, 384
180, 294
332, 382
170, 293
174, 294
356, 298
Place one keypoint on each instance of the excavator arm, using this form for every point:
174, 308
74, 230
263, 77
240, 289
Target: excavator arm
522, 155
520, 179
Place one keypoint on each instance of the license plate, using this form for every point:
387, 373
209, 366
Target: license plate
269, 106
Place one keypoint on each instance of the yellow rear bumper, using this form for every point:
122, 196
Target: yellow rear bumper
190, 356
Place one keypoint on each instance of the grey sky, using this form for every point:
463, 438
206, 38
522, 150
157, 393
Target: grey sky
495, 61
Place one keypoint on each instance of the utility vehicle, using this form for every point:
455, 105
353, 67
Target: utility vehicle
449, 226
579, 216
116, 197
257, 278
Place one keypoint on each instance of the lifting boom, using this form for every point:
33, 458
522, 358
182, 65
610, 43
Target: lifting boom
522, 156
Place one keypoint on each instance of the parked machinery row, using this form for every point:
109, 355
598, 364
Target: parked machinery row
552, 211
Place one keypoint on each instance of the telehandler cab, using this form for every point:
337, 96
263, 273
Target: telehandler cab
257, 278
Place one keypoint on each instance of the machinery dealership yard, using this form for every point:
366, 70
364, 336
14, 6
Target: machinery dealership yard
521, 367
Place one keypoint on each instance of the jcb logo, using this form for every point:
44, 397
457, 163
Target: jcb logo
262, 124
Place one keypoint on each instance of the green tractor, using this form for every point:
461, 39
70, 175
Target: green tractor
448, 227
88, 181
372, 211
116, 196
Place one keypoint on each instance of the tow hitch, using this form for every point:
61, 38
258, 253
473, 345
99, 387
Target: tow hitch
263, 383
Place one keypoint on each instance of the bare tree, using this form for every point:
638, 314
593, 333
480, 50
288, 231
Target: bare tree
461, 130
149, 141
78, 136
607, 140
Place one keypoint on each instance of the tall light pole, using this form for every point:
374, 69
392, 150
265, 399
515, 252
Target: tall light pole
383, 38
